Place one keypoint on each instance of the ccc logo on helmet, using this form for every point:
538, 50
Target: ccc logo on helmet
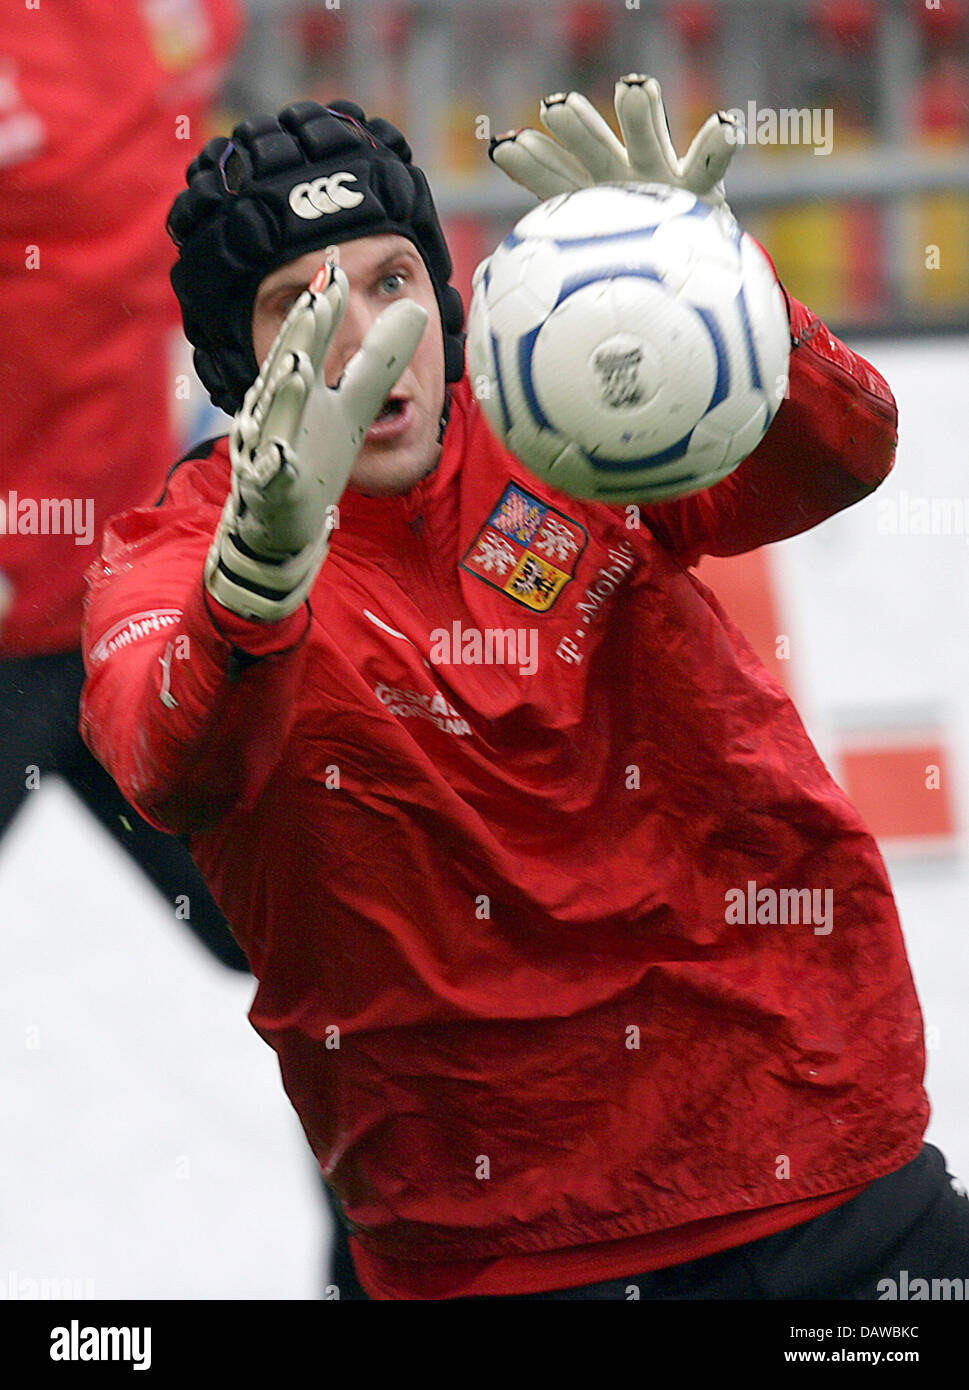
322, 196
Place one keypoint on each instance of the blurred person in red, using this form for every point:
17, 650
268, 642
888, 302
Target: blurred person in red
97, 101
534, 1055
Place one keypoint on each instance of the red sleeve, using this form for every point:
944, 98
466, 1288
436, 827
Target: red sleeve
187, 705
831, 443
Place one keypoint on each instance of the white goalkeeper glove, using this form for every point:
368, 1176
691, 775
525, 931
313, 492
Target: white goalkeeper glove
585, 151
293, 446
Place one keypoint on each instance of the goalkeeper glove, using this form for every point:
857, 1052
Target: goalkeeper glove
293, 446
585, 151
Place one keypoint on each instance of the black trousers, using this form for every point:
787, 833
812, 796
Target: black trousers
39, 698
910, 1225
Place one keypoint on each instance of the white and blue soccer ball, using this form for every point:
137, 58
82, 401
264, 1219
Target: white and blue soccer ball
628, 342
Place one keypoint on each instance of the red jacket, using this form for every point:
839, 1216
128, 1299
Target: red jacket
102, 104
489, 908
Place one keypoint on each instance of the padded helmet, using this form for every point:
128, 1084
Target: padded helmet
280, 187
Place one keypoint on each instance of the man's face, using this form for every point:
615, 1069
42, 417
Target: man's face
401, 446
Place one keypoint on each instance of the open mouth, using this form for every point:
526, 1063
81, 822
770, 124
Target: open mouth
392, 420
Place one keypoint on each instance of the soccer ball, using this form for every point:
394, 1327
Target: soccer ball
628, 342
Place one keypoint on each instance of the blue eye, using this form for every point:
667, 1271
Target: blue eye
388, 281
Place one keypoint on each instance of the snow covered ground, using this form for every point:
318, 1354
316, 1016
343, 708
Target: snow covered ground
146, 1147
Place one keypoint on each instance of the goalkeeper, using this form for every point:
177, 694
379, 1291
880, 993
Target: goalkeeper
533, 1055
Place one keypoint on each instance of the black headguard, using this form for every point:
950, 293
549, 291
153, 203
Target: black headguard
282, 186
